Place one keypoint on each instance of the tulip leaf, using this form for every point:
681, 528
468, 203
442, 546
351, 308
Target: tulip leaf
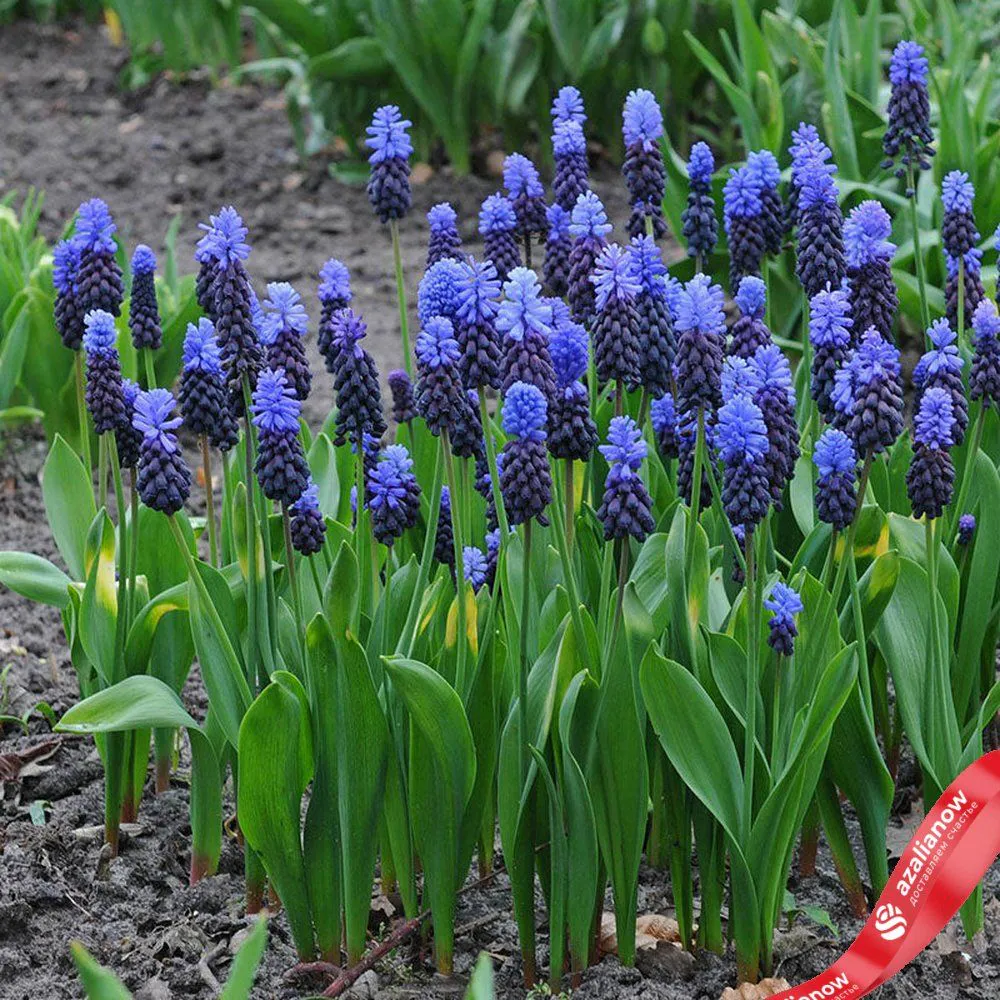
69, 504
36, 578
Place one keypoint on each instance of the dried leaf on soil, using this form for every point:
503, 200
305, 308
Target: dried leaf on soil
755, 991
650, 930
13, 765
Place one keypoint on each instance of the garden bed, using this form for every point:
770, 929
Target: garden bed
189, 148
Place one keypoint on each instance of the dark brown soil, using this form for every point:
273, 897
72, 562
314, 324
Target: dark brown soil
190, 148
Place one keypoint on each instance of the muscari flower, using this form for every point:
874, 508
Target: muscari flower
355, 382
437, 293
525, 320
908, 139
970, 281
774, 394
334, 294
942, 366
475, 325
643, 169
958, 225
235, 325
98, 280
806, 148
743, 213
984, 377
763, 168
784, 604
284, 326
571, 176
572, 433
738, 378
930, 479
475, 565
67, 312
202, 391
497, 226
750, 331
657, 343
492, 553
444, 240
105, 402
626, 508
444, 536
127, 439
224, 233
966, 528
701, 229
281, 467
589, 228
526, 194
307, 524
663, 417
143, 311
525, 480
558, 245
820, 257
616, 326
868, 254
830, 327
389, 179
392, 494
701, 325
567, 106
741, 440
164, 479
404, 406
868, 395
466, 435
836, 485
440, 397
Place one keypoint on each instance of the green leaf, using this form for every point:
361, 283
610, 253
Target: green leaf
441, 780
99, 607
36, 578
245, 964
275, 754
142, 703
99, 983
481, 982
14, 345
353, 60
69, 504
362, 755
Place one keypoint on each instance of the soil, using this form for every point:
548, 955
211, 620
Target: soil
188, 148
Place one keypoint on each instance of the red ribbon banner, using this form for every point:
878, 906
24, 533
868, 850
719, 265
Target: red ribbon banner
942, 864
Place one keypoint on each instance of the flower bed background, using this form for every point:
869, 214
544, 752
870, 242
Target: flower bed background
617, 220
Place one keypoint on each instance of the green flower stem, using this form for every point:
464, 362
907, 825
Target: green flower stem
750, 708
81, 414
933, 647
404, 323
102, 471
254, 665
623, 562
522, 673
569, 499
958, 507
206, 466
717, 501
925, 314
147, 359
133, 538
363, 540
699, 450
565, 546
776, 708
491, 458
824, 578
961, 301
407, 637
293, 580
317, 583
864, 674
458, 539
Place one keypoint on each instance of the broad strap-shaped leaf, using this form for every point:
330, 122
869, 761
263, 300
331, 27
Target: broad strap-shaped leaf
245, 964
99, 983
144, 702
36, 578
69, 504
441, 779
276, 764
99, 607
